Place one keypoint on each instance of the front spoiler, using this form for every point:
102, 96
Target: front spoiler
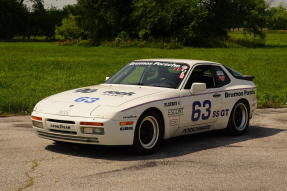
113, 134
68, 138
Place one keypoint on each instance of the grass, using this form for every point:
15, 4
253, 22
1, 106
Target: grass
30, 71
273, 38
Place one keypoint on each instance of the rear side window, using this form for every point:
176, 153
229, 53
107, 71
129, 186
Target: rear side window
234, 72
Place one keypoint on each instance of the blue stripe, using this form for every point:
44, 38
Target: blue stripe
186, 96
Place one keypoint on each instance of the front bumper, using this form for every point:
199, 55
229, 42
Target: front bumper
68, 129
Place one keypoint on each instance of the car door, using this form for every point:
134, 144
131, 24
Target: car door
201, 109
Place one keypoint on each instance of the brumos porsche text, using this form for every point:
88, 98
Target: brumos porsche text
240, 93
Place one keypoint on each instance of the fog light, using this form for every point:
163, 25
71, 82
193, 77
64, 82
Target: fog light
93, 130
37, 124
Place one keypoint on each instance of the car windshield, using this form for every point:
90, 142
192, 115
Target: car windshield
157, 74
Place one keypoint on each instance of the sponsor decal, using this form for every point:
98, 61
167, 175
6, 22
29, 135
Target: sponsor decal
155, 64
249, 92
173, 122
126, 128
195, 129
86, 99
183, 71
184, 67
238, 94
177, 69
181, 76
60, 126
86, 90
130, 117
117, 93
175, 112
220, 113
64, 112
171, 104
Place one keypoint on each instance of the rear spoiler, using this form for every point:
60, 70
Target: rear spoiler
246, 77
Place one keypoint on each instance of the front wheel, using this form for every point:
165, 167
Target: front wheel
239, 119
148, 133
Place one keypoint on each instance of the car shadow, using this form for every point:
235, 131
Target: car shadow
178, 146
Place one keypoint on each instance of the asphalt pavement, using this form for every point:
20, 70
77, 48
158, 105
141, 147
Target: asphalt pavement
207, 161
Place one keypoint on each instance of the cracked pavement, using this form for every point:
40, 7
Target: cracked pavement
207, 161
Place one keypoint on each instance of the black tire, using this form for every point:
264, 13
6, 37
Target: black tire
148, 133
239, 119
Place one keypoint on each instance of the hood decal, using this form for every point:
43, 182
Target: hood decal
83, 101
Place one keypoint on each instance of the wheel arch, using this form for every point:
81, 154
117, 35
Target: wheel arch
246, 102
159, 112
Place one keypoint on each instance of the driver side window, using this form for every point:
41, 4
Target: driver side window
201, 74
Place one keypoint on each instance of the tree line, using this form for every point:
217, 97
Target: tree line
190, 22
16, 19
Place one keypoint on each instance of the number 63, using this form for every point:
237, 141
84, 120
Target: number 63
196, 110
86, 99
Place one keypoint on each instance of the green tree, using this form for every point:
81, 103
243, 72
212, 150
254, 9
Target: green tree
53, 18
69, 29
191, 22
277, 18
12, 18
37, 18
104, 19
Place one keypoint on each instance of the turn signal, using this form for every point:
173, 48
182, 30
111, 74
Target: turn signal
92, 123
125, 123
36, 118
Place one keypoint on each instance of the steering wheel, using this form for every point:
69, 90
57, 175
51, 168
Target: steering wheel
164, 82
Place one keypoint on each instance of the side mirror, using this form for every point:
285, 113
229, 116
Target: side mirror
107, 78
198, 87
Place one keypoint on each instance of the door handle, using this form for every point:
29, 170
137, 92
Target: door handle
216, 95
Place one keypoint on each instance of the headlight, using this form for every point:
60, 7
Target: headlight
37, 121
37, 124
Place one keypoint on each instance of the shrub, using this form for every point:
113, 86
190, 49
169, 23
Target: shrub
69, 30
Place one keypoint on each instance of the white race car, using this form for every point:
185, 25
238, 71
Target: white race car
148, 101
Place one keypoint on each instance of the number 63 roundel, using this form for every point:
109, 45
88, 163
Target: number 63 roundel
201, 110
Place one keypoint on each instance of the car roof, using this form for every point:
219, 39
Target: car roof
186, 61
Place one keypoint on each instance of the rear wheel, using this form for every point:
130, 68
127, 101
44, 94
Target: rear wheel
239, 119
148, 133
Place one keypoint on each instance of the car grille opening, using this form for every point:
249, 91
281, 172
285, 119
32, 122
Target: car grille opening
68, 137
64, 132
61, 121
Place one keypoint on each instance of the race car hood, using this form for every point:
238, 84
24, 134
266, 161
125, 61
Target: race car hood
84, 101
